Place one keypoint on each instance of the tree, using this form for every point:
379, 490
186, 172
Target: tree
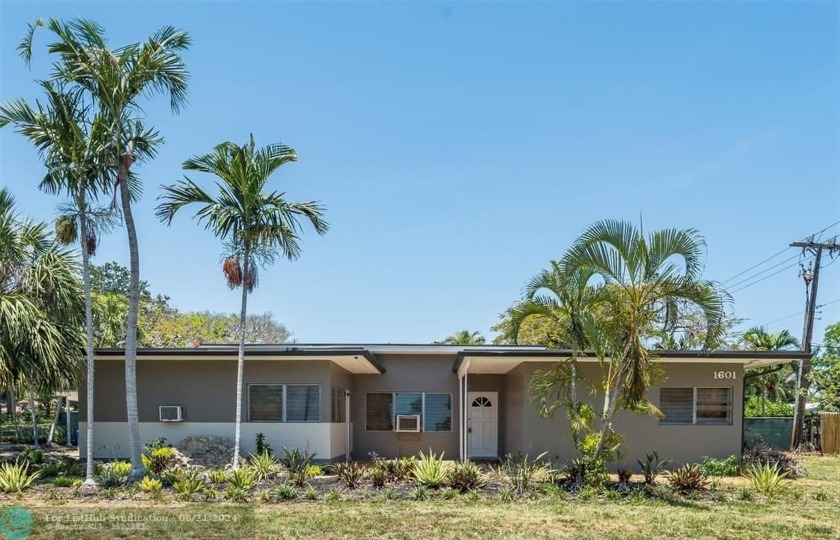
531, 331
74, 149
181, 329
114, 278
773, 382
115, 79
257, 227
643, 282
827, 370
41, 302
464, 337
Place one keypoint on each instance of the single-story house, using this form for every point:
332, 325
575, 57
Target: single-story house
350, 401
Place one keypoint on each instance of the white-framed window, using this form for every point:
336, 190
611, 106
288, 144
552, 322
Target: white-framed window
338, 405
284, 402
433, 408
695, 405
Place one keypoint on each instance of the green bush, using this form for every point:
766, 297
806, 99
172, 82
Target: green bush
236, 494
33, 455
420, 493
652, 466
217, 476
286, 492
297, 463
150, 485
687, 479
311, 494
15, 477
466, 476
720, 467
765, 478
350, 474
753, 408
378, 475
63, 481
158, 459
263, 465
53, 467
187, 486
523, 472
241, 479
429, 471
113, 474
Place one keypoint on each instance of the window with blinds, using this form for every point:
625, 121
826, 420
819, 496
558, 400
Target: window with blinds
434, 410
284, 402
692, 405
338, 414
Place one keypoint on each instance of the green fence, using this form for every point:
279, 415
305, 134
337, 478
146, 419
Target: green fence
774, 431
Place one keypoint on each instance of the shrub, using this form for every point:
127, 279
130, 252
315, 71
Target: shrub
624, 476
158, 459
378, 475
73, 468
15, 477
765, 478
63, 481
350, 474
396, 470
523, 472
314, 470
286, 492
688, 478
114, 474
787, 462
297, 462
33, 455
156, 444
449, 493
187, 486
263, 465
241, 479
420, 493
262, 446
744, 494
53, 467
210, 494
429, 471
266, 496
652, 466
150, 485
311, 494
506, 494
217, 476
169, 477
333, 495
236, 494
466, 476
720, 467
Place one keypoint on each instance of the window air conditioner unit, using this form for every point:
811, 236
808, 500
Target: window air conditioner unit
171, 413
408, 422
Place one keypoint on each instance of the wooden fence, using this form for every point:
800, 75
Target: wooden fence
830, 433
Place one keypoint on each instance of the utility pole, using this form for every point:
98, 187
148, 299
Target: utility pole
812, 281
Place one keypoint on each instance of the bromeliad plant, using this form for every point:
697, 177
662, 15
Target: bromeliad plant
350, 474
298, 463
652, 466
688, 479
466, 476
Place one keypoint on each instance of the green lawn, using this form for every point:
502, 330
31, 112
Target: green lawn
807, 509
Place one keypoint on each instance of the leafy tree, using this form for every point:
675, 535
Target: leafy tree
74, 149
826, 372
257, 227
114, 79
41, 307
531, 331
114, 278
774, 383
464, 337
181, 329
642, 283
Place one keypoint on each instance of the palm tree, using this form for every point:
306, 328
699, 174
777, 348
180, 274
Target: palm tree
645, 285
256, 226
40, 304
769, 382
74, 149
464, 337
115, 79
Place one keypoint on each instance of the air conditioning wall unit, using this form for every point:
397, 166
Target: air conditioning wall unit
171, 413
409, 423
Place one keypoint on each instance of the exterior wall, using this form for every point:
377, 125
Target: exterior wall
514, 406
111, 438
405, 373
643, 434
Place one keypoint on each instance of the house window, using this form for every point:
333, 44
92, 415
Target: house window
338, 407
284, 402
693, 405
434, 410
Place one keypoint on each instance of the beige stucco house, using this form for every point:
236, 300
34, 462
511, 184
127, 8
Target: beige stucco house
395, 400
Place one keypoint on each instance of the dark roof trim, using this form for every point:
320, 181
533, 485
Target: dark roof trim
249, 353
566, 353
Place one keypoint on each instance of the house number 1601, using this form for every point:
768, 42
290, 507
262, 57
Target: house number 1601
724, 374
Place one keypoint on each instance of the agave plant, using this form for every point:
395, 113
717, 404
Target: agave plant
765, 478
429, 471
15, 477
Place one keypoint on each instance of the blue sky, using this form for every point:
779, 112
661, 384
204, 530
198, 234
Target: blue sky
459, 146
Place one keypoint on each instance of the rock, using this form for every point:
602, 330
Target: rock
215, 452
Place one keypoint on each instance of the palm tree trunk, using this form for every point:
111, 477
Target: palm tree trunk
34, 416
610, 405
13, 401
137, 470
89, 351
240, 367
55, 420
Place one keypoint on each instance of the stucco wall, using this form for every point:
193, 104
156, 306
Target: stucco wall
514, 406
643, 434
405, 373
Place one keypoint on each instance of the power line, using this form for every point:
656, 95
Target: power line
820, 306
748, 278
764, 278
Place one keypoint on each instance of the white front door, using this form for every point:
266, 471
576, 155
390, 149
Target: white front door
483, 424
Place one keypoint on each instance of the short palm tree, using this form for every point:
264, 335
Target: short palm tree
772, 382
256, 226
74, 149
465, 337
41, 301
114, 79
645, 282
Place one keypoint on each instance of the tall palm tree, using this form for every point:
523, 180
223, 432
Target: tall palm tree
464, 337
115, 79
772, 382
40, 304
74, 149
646, 283
256, 226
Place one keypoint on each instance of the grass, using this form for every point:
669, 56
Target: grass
805, 510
